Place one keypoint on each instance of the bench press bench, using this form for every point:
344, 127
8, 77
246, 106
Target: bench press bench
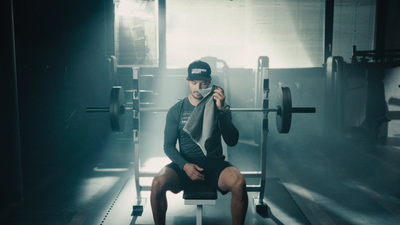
199, 195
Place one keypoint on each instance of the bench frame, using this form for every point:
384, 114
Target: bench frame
199, 203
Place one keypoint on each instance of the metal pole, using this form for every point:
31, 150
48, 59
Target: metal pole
98, 109
264, 137
380, 24
329, 17
136, 115
162, 35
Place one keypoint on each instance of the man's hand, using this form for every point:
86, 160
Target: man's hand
192, 170
219, 97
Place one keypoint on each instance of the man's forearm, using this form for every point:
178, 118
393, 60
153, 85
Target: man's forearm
174, 155
228, 130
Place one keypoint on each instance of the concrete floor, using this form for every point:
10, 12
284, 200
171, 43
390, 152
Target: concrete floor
309, 182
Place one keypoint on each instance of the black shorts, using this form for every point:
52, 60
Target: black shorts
212, 170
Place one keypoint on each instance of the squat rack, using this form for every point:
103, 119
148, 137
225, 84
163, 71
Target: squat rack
283, 109
261, 206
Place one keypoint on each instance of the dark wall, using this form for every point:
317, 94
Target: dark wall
61, 49
387, 32
10, 153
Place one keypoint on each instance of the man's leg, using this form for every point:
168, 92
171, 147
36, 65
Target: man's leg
232, 180
165, 180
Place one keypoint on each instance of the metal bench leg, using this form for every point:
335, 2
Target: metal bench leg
199, 215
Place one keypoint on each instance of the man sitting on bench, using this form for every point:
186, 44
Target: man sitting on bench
199, 161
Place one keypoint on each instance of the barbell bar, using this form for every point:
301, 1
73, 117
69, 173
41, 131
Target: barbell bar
284, 109
232, 109
294, 109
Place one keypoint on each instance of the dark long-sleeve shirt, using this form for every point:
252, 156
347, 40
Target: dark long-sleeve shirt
177, 117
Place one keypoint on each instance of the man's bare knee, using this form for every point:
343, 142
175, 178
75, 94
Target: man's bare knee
166, 180
232, 180
239, 184
158, 185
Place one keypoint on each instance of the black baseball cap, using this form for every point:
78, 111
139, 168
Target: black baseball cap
199, 70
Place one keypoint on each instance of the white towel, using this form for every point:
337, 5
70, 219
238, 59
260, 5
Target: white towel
203, 119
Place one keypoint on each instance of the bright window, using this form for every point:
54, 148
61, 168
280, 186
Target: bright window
237, 32
289, 32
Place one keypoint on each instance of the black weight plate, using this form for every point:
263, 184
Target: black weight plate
284, 113
117, 109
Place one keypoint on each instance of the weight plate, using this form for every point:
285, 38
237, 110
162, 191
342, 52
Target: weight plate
117, 109
284, 113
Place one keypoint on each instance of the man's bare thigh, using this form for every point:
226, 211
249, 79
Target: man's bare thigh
170, 179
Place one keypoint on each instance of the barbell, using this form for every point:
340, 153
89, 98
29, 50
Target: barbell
283, 109
116, 109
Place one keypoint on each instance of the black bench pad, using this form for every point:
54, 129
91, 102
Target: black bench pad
200, 191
